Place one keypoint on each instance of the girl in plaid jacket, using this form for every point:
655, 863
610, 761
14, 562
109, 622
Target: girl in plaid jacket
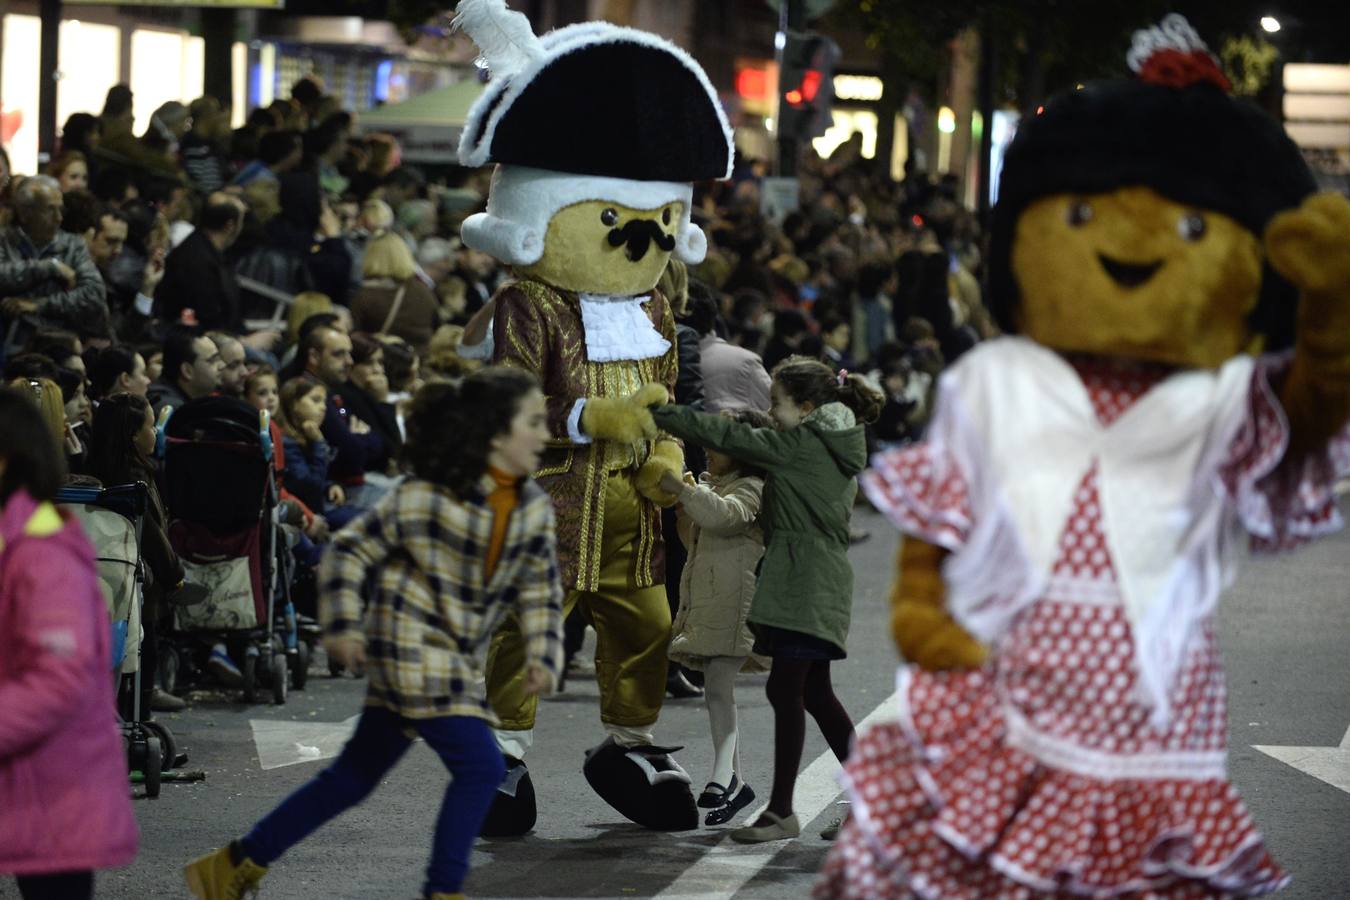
467, 539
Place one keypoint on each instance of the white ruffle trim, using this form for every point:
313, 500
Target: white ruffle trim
618, 328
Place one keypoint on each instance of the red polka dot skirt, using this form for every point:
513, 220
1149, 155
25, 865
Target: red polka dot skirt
1043, 774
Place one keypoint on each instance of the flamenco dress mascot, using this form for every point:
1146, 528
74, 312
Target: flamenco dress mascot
598, 133
1076, 507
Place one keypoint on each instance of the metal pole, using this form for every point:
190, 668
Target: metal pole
49, 49
791, 17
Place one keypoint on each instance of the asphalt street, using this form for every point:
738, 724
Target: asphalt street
1286, 637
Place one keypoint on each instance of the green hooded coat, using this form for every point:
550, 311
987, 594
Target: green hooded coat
805, 580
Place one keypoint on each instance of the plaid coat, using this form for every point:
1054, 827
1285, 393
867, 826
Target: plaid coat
418, 557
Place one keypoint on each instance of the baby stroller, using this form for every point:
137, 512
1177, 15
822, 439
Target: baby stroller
111, 519
221, 495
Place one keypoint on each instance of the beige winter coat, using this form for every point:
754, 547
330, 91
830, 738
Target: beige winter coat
719, 529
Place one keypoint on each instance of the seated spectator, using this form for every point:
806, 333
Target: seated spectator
196, 274
392, 299
401, 185
302, 406
47, 277
70, 170
78, 414
61, 347
133, 275
120, 451
327, 358
114, 185
80, 211
367, 392
29, 365
191, 370
116, 370
261, 392
46, 394
233, 367
402, 368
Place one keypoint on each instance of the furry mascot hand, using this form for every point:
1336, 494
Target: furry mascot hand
667, 456
924, 631
1310, 246
625, 419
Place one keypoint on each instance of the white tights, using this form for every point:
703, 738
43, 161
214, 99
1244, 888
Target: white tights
719, 694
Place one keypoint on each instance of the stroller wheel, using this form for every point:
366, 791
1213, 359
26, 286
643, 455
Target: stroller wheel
154, 765
167, 745
279, 678
300, 670
168, 669
251, 676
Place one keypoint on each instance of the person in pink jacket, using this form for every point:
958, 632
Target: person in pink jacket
65, 807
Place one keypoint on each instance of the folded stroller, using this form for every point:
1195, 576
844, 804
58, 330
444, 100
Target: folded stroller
221, 495
111, 518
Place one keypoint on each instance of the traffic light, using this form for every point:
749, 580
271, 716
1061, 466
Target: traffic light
806, 86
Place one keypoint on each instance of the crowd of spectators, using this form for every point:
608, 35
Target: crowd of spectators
151, 266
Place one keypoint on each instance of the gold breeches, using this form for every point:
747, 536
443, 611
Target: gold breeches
632, 627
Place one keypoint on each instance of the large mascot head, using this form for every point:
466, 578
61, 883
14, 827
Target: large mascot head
598, 133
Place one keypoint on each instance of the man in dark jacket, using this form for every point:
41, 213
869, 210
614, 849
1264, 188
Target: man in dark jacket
197, 276
46, 275
327, 355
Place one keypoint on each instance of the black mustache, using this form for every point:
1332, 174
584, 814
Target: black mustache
639, 234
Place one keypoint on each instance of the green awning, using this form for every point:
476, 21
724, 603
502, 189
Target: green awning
446, 106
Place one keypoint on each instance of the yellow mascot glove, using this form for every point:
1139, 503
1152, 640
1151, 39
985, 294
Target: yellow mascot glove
1310, 246
924, 631
624, 419
667, 456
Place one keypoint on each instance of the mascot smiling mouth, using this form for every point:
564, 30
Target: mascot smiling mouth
639, 234
1128, 275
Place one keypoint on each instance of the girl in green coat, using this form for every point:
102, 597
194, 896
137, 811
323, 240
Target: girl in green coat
800, 611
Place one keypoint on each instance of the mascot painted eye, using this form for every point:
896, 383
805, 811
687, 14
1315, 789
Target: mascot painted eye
665, 216
610, 217
1191, 227
1079, 213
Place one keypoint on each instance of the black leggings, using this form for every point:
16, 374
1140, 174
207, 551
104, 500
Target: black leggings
62, 886
797, 687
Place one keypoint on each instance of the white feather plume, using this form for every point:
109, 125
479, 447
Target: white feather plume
504, 36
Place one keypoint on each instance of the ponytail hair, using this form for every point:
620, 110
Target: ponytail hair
451, 425
807, 380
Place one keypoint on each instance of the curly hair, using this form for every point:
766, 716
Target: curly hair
807, 380
451, 426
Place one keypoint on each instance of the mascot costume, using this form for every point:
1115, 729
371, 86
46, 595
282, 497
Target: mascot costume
598, 133
1177, 375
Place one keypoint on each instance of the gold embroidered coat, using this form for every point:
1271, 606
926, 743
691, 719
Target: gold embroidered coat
538, 328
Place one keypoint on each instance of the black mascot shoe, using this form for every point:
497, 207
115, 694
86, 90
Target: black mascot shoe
513, 809
644, 784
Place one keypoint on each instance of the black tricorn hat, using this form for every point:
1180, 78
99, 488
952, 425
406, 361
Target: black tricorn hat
597, 99
1176, 130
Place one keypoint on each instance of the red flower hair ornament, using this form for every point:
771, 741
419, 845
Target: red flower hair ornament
1172, 54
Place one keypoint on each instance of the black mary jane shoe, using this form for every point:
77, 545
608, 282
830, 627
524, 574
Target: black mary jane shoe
714, 795
728, 810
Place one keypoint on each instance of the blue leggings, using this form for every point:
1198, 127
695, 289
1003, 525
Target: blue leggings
464, 743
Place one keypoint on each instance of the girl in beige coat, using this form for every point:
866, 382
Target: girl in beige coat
719, 528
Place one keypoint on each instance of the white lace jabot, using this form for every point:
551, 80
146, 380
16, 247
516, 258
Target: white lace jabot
618, 328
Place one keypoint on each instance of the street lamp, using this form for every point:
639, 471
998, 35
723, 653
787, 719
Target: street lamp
1270, 24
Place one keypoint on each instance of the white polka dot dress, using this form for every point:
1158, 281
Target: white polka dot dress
1041, 773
